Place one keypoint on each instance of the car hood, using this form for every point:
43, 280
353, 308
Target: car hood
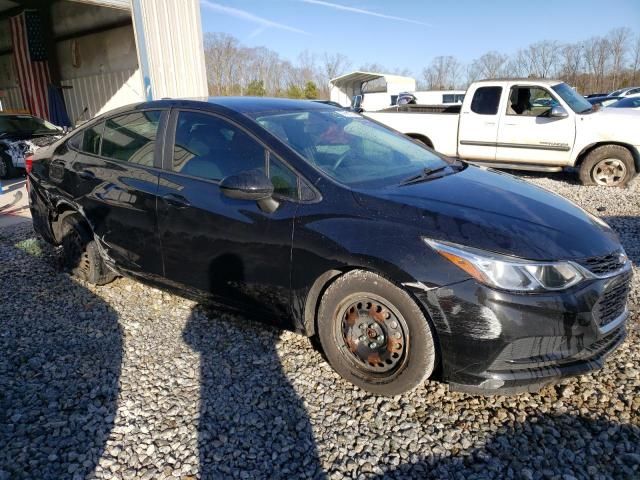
494, 211
617, 124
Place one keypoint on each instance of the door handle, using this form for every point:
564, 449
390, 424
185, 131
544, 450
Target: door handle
87, 174
175, 200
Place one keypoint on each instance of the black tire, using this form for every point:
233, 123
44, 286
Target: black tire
392, 376
80, 253
608, 165
7, 170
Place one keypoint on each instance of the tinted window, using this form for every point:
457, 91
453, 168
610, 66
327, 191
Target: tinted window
91, 139
131, 137
486, 100
635, 91
210, 147
285, 182
76, 141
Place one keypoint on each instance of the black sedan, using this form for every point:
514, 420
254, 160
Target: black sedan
406, 265
21, 135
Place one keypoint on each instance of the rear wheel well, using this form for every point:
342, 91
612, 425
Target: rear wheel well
62, 211
421, 138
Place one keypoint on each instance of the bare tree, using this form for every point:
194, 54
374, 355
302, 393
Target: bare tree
442, 73
334, 65
490, 65
619, 45
635, 63
596, 52
571, 64
544, 57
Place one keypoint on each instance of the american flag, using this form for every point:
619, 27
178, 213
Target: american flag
30, 55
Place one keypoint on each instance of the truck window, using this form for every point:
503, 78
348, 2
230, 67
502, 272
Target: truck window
486, 100
530, 101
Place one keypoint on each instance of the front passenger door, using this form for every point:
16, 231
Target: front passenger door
228, 248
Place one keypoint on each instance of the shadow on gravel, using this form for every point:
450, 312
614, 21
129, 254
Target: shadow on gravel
60, 356
546, 446
252, 423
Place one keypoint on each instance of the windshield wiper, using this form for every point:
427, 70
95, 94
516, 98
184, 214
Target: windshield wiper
429, 173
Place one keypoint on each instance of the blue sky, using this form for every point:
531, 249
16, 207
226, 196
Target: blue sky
409, 33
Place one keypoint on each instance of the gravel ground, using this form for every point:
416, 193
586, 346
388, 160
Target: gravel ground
125, 381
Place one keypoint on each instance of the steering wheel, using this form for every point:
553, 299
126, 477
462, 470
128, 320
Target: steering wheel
338, 162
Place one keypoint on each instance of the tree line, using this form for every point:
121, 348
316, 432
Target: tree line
597, 64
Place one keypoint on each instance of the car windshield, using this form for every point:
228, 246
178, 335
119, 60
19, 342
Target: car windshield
25, 124
576, 102
629, 102
348, 147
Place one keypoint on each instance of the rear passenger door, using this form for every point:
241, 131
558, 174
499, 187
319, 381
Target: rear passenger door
479, 120
116, 181
228, 248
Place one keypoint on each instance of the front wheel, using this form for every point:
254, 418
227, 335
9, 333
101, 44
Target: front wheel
609, 166
374, 335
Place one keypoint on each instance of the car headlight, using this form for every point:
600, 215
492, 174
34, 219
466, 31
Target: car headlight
509, 273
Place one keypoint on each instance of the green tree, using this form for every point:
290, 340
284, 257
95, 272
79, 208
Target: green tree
310, 91
256, 88
294, 91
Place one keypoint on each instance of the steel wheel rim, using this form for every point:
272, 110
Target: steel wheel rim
610, 171
372, 335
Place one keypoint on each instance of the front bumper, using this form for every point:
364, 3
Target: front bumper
495, 342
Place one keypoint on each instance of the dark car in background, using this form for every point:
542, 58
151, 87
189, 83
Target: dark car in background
604, 101
21, 135
407, 265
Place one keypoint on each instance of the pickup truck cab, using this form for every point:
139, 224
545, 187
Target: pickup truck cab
531, 125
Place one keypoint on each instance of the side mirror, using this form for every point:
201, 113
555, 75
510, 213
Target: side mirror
250, 185
558, 111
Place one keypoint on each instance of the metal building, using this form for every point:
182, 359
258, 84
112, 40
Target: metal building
100, 54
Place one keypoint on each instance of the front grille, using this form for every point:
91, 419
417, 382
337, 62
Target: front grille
613, 301
604, 264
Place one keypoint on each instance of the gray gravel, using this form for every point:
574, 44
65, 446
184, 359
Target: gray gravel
125, 381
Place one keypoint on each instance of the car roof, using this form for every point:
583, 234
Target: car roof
243, 105
524, 81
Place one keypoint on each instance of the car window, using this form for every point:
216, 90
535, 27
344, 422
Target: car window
76, 141
635, 91
210, 147
91, 139
486, 100
285, 181
131, 137
530, 102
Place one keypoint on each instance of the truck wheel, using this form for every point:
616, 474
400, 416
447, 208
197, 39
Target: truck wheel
608, 165
374, 335
7, 170
80, 253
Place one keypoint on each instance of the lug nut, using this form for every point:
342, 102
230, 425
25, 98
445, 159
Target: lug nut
373, 345
380, 338
362, 338
393, 324
397, 335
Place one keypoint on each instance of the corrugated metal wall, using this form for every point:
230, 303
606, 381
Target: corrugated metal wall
173, 46
101, 93
12, 99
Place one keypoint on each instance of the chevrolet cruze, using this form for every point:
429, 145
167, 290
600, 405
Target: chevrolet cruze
406, 265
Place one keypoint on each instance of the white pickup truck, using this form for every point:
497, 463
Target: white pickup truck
528, 124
